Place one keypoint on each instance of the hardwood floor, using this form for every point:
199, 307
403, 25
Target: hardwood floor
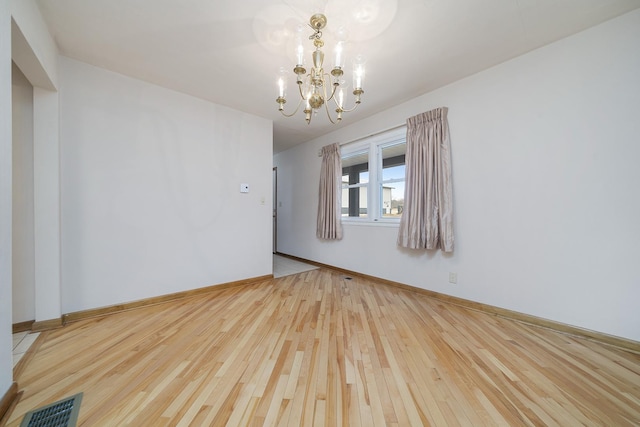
318, 349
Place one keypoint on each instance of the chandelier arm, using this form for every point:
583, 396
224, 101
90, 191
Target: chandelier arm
326, 106
294, 113
307, 79
329, 115
333, 91
351, 109
300, 89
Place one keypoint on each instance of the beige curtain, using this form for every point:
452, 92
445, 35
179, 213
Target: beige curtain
330, 194
427, 218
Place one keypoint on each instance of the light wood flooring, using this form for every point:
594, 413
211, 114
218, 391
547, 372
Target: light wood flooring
317, 349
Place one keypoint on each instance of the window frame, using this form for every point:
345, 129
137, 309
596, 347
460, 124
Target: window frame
373, 146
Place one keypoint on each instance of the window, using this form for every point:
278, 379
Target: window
373, 178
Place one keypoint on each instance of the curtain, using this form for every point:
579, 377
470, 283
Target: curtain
330, 194
427, 218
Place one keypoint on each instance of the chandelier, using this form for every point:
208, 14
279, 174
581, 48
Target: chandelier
318, 87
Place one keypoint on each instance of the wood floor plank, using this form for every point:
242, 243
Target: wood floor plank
319, 349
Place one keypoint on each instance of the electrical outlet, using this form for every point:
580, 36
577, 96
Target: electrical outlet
453, 277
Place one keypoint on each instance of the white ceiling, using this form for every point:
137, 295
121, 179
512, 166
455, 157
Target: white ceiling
229, 51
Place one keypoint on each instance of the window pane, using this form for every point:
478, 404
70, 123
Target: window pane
354, 202
359, 158
355, 169
355, 174
393, 155
393, 172
392, 185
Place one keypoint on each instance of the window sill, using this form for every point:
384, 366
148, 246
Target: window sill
369, 223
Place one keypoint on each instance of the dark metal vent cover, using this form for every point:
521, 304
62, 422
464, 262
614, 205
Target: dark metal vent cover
63, 413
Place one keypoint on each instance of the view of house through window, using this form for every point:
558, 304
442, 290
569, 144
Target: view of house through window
392, 182
373, 173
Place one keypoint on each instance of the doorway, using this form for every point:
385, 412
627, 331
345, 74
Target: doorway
23, 201
275, 209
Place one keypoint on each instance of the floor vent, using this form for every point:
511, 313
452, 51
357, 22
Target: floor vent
59, 414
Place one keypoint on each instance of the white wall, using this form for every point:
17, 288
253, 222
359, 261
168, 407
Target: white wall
23, 235
151, 200
6, 364
545, 170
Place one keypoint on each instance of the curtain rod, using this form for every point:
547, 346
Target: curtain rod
360, 138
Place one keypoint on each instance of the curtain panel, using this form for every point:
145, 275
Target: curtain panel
329, 225
427, 218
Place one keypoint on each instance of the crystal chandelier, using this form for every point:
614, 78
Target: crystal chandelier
318, 88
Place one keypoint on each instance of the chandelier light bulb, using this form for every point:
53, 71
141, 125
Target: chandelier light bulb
281, 85
358, 72
338, 61
300, 54
341, 98
359, 77
298, 45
